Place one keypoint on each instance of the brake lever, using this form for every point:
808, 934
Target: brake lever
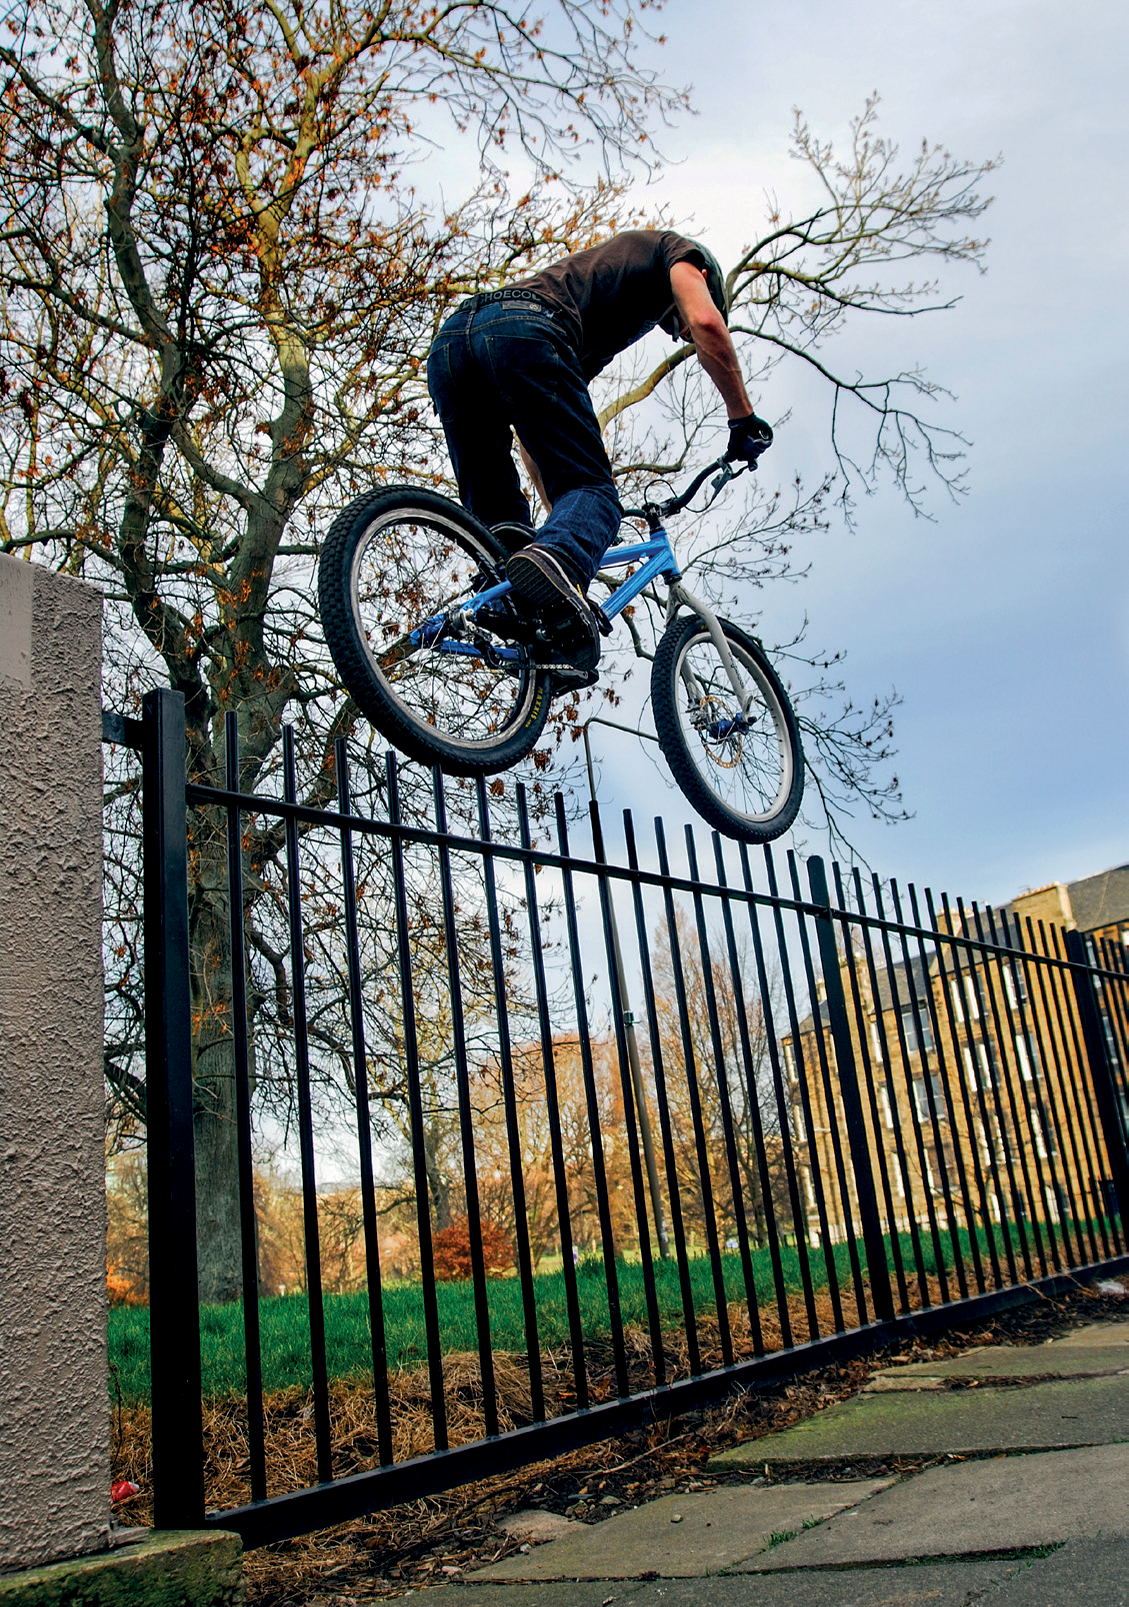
723, 479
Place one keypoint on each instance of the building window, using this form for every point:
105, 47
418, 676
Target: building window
972, 998
921, 1099
958, 1008
1044, 1135
790, 1061
1027, 1055
917, 1041
975, 1079
1015, 986
887, 1113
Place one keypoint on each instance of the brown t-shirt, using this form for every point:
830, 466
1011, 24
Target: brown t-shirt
612, 294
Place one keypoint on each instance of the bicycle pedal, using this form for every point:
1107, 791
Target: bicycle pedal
505, 623
565, 679
603, 623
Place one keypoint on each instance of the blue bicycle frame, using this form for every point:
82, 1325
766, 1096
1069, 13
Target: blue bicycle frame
655, 556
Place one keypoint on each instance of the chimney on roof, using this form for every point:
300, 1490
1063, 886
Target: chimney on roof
1050, 903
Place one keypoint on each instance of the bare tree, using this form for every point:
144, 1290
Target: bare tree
216, 288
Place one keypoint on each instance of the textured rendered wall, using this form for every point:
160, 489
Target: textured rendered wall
54, 1414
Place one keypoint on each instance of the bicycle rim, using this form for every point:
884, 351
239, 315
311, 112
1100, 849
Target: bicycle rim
409, 566
745, 762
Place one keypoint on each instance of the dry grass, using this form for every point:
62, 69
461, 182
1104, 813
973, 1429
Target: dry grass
412, 1545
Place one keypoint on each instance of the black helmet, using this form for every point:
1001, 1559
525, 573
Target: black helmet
715, 282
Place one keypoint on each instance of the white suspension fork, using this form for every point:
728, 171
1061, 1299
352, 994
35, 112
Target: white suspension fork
679, 594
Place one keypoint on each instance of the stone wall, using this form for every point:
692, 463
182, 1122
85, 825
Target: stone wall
54, 1413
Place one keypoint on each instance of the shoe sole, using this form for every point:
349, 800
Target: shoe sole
538, 578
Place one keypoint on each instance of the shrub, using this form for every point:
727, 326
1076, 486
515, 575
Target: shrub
450, 1248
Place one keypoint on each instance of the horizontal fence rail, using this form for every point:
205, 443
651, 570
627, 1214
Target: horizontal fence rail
618, 1133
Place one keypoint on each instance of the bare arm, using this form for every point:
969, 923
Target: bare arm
705, 326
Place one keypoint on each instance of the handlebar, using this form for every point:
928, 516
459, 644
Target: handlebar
663, 510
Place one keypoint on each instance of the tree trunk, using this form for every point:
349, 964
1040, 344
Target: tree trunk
219, 1247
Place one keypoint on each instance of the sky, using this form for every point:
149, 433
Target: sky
1003, 622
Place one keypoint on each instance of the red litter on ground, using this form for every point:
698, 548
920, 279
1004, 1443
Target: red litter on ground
122, 1489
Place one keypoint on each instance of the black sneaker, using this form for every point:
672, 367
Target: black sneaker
543, 584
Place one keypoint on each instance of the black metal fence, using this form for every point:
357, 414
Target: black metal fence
843, 1113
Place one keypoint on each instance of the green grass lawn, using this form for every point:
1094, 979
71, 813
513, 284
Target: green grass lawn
285, 1328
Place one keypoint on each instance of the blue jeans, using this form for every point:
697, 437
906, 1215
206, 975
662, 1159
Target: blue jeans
511, 364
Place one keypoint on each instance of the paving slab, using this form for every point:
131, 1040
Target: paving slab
1007, 1503
952, 1584
1085, 1573
931, 1585
1006, 1361
557, 1593
683, 1536
1087, 1411
1098, 1333
552, 1593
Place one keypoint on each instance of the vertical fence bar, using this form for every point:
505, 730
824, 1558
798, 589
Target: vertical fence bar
174, 1309
625, 1015
1072, 1167
1102, 1077
764, 1178
466, 1116
1113, 959
690, 1066
377, 1342
1021, 1202
917, 986
509, 1102
322, 1433
815, 1170
945, 988
1046, 1138
820, 1039
796, 1204
895, 1248
432, 1335
725, 1101
556, 1141
911, 1096
595, 1136
631, 1089
1060, 1112
1024, 1073
256, 1447
870, 1218
658, 1069
984, 1069
935, 1115
882, 1049
1082, 1088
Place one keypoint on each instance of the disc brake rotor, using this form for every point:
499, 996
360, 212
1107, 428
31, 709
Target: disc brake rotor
710, 721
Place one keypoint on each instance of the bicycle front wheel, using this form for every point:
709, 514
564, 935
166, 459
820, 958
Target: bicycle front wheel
742, 769
400, 559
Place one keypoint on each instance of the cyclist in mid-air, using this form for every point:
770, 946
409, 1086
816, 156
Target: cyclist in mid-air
521, 358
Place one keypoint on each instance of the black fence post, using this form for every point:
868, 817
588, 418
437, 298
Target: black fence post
174, 1311
1102, 1075
870, 1218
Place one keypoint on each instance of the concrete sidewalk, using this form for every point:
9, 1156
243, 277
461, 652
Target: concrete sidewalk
1031, 1505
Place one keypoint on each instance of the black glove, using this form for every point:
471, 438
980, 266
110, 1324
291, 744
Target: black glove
748, 438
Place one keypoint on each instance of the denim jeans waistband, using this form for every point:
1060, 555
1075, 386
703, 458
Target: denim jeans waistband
488, 298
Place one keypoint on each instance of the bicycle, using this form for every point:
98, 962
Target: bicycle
420, 624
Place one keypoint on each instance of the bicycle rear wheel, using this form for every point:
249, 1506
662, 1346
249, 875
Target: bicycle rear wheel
393, 560
743, 772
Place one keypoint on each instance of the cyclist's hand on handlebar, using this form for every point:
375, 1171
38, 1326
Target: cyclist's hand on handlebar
748, 438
